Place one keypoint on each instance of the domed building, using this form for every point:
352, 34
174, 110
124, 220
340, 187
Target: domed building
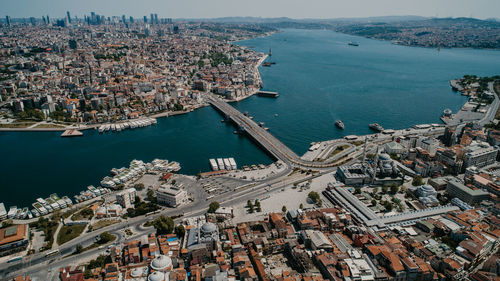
205, 236
161, 263
158, 276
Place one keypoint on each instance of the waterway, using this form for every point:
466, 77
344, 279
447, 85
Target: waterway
319, 78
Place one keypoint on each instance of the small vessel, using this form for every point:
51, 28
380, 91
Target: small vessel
270, 52
376, 127
339, 124
355, 44
276, 115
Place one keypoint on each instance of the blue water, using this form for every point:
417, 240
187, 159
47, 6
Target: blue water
320, 79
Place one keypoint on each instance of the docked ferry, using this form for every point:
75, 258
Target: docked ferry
376, 127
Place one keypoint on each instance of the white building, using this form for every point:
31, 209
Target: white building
480, 154
126, 198
171, 195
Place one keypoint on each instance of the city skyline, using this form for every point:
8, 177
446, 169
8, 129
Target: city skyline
321, 9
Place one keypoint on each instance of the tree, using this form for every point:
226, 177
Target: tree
394, 188
78, 249
163, 225
139, 186
384, 189
301, 206
314, 196
283, 209
151, 196
180, 231
105, 237
319, 203
213, 207
357, 190
374, 202
417, 181
375, 190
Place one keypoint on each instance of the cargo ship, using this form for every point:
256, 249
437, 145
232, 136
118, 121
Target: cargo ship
376, 127
339, 124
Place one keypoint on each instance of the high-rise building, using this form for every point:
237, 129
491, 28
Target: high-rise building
145, 19
156, 18
123, 19
131, 19
33, 21
126, 198
7, 19
152, 18
48, 19
68, 16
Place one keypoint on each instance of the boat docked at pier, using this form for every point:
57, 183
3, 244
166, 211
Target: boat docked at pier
376, 127
339, 124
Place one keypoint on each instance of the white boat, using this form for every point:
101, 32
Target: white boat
101, 128
227, 164
12, 212
213, 165
220, 162
233, 163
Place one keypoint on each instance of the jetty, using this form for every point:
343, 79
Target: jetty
71, 133
268, 94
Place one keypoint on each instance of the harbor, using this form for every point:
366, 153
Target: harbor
193, 138
118, 179
118, 127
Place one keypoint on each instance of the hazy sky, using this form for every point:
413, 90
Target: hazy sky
259, 8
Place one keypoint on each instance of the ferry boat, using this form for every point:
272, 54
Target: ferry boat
355, 44
339, 124
376, 127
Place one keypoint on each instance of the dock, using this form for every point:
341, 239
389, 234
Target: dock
72, 133
268, 94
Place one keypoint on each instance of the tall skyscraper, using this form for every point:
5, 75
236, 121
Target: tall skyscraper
33, 21
68, 16
123, 19
48, 19
145, 19
7, 19
156, 18
131, 19
152, 18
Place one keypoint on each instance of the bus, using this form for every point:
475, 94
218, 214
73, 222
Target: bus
15, 259
52, 253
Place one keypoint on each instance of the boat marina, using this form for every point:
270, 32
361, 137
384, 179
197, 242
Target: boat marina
132, 124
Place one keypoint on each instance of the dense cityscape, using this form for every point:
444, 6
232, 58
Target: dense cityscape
418, 203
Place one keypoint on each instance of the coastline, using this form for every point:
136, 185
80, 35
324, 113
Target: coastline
252, 92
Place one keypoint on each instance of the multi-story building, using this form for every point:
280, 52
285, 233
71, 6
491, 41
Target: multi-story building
466, 194
171, 195
480, 154
126, 198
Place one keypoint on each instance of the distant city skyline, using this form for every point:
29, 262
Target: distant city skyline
298, 9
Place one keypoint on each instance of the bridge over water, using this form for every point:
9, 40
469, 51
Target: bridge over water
266, 140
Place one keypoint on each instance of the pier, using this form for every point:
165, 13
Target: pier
72, 133
268, 94
261, 136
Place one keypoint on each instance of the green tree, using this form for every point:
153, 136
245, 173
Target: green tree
283, 209
139, 186
151, 196
180, 231
357, 190
213, 207
384, 189
314, 196
105, 237
163, 225
374, 202
417, 181
301, 206
78, 249
394, 188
